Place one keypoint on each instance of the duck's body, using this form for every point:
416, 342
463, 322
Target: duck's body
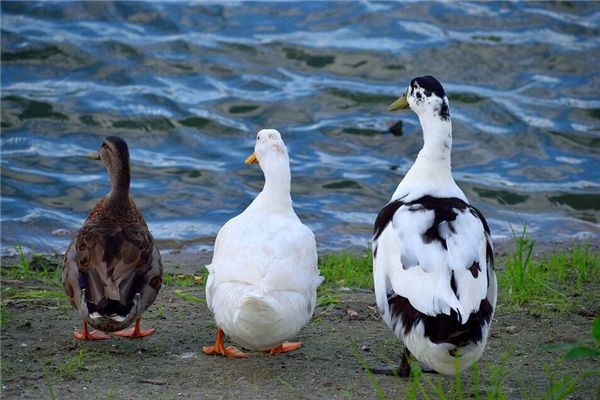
112, 269
263, 277
432, 252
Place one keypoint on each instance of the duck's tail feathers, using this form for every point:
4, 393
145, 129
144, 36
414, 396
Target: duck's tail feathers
257, 307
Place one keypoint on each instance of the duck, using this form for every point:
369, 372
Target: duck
263, 277
112, 269
433, 261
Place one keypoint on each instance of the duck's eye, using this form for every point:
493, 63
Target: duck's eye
104, 145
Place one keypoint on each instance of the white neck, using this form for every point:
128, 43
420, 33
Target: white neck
431, 173
437, 139
275, 196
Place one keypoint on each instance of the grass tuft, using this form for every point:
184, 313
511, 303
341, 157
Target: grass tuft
12, 293
347, 269
40, 268
184, 281
74, 364
189, 297
553, 283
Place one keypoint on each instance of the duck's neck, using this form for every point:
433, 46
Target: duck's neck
437, 141
275, 195
431, 173
120, 182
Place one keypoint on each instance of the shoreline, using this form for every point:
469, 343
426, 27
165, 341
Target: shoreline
345, 335
191, 261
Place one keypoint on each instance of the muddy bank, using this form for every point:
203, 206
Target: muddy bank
41, 359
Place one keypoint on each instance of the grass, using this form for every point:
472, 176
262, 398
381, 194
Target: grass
68, 368
551, 283
184, 281
562, 383
189, 297
12, 293
74, 365
346, 269
342, 270
40, 268
557, 283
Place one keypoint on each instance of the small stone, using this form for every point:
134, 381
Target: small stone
189, 354
365, 348
351, 312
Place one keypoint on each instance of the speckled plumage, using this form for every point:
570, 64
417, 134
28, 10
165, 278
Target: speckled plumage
112, 269
432, 252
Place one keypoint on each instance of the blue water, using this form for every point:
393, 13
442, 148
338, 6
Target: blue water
188, 85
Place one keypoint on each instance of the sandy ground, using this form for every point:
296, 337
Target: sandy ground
41, 359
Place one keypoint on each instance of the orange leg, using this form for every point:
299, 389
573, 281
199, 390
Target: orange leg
285, 347
135, 331
87, 335
220, 349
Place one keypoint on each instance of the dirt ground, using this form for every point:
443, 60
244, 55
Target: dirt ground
41, 359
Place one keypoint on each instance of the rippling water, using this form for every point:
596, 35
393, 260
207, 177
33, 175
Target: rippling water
188, 85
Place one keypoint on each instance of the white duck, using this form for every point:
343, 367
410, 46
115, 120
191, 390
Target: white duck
263, 277
432, 253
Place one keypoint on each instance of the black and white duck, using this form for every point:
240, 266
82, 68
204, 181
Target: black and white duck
432, 252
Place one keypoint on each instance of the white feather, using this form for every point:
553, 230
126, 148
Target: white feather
263, 277
410, 264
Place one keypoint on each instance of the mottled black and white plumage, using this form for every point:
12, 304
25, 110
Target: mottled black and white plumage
432, 252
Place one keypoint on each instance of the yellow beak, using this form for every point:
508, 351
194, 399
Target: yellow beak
251, 159
94, 155
399, 104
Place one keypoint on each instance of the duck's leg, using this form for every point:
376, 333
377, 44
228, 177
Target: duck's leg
285, 347
219, 349
135, 331
85, 334
403, 370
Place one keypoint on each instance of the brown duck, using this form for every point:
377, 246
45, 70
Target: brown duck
112, 270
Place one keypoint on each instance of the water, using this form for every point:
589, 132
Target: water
189, 85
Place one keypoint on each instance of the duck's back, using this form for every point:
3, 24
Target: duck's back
433, 265
273, 252
112, 261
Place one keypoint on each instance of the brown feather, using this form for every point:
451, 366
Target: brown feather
113, 256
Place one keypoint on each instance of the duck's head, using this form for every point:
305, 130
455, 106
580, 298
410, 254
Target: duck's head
114, 153
269, 149
272, 156
426, 97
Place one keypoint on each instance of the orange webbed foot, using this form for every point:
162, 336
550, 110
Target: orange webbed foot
85, 334
135, 331
285, 347
220, 350
231, 352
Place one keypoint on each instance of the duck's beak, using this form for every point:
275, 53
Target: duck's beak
94, 155
251, 159
399, 104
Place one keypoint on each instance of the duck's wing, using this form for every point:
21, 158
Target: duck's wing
272, 254
294, 263
433, 262
115, 262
